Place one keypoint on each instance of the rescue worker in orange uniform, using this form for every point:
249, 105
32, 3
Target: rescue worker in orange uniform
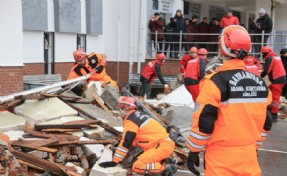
231, 118
150, 72
252, 65
92, 63
195, 71
142, 131
99, 61
275, 70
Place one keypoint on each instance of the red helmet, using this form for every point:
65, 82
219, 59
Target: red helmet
234, 41
193, 50
266, 49
79, 55
126, 103
160, 56
202, 51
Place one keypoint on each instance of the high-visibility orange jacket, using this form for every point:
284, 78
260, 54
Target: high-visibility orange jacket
183, 62
151, 71
80, 70
231, 109
274, 68
139, 130
97, 59
195, 71
93, 60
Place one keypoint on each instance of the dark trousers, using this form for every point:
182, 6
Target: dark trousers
176, 46
258, 39
170, 46
214, 48
158, 46
145, 89
284, 91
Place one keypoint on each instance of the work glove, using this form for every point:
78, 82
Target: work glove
99, 69
108, 164
193, 159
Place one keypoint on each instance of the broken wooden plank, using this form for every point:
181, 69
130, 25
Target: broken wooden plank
37, 144
77, 142
98, 100
61, 130
45, 135
47, 165
22, 162
103, 125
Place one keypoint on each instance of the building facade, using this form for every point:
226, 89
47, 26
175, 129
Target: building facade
38, 37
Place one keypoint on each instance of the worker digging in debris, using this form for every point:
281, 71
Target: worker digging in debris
92, 63
232, 116
275, 70
149, 136
150, 72
195, 71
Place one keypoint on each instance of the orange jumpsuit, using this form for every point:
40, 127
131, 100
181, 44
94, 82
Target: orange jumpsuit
231, 120
93, 60
101, 60
147, 133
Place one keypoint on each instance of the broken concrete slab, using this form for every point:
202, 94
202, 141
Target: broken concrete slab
99, 113
78, 169
111, 171
15, 135
42, 110
92, 148
93, 87
179, 97
9, 121
110, 96
94, 133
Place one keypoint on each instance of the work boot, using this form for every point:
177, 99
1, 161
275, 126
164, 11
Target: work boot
274, 117
170, 170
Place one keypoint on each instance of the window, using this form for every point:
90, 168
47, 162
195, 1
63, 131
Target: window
155, 4
186, 8
81, 42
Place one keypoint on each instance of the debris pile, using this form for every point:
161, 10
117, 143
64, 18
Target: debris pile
59, 133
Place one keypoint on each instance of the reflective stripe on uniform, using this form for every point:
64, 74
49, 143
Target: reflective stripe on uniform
122, 150
199, 137
119, 156
244, 100
263, 134
194, 145
152, 166
143, 124
259, 143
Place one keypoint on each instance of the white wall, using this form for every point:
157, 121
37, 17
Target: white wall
65, 44
11, 36
33, 47
280, 17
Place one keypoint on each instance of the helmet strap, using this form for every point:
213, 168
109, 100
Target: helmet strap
241, 54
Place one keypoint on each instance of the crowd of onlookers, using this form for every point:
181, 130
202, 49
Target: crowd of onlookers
166, 36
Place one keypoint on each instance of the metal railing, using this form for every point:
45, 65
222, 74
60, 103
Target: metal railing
276, 39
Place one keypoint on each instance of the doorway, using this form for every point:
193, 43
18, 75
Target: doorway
49, 53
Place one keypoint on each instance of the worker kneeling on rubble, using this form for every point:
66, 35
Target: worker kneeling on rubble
146, 133
92, 63
232, 115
